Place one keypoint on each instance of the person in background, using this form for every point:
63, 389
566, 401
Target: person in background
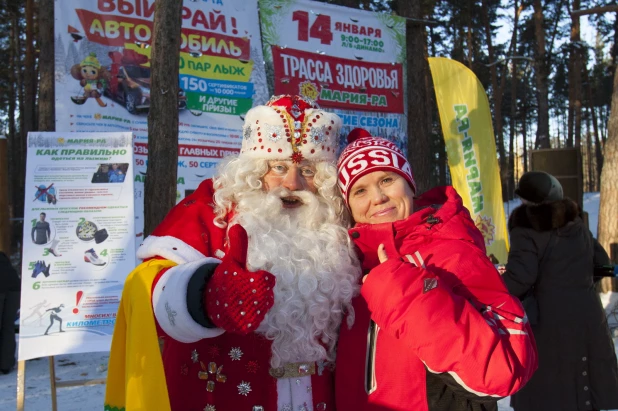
550, 266
435, 327
10, 287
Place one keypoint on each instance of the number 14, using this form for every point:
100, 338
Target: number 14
320, 29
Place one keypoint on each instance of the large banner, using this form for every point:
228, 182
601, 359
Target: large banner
349, 60
471, 149
102, 60
78, 241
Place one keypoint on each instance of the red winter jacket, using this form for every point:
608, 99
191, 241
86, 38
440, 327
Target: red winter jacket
435, 327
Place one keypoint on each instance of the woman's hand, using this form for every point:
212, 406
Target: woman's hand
382, 256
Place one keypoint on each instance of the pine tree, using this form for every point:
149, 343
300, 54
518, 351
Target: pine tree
258, 78
72, 57
60, 58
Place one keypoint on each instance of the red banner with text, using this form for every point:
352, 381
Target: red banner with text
337, 82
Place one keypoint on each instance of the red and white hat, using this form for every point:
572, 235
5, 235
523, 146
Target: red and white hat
366, 154
290, 128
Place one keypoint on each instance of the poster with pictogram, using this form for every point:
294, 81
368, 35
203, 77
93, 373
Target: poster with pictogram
78, 240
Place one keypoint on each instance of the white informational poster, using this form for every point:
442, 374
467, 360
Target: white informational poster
78, 240
102, 79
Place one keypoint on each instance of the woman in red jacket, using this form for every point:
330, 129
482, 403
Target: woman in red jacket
435, 327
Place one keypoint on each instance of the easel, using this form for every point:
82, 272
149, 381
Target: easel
21, 382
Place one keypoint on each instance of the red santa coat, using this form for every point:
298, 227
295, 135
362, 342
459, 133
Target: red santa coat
435, 325
209, 369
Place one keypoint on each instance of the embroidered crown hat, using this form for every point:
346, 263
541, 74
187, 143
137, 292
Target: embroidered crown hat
365, 154
290, 128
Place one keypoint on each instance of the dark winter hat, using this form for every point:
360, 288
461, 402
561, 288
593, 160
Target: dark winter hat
539, 187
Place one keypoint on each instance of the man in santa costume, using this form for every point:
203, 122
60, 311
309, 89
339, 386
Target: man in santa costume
246, 281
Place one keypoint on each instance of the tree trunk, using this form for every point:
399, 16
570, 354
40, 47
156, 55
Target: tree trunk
524, 131
46, 66
435, 124
598, 153
575, 74
20, 140
19, 63
160, 185
29, 99
498, 90
13, 139
419, 123
605, 122
614, 50
469, 40
512, 126
589, 158
598, 150
29, 73
541, 75
608, 210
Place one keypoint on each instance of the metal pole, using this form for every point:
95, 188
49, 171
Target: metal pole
52, 383
21, 386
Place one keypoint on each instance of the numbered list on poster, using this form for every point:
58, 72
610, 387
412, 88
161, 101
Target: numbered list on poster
78, 240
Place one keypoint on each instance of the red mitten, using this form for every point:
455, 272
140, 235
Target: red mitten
237, 299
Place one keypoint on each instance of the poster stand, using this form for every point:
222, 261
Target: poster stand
83, 289
54, 385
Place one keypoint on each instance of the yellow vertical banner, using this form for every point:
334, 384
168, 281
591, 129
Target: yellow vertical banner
471, 149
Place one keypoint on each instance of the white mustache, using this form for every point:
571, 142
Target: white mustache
306, 197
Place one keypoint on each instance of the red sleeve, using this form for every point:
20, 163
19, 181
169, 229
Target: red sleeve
477, 334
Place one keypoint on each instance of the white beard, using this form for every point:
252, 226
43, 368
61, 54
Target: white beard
315, 267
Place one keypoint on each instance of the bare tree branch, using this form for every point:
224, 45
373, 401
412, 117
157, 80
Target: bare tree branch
594, 10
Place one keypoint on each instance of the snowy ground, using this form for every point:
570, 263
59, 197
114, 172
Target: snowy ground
94, 365
68, 367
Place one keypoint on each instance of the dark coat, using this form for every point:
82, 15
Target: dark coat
9, 280
552, 258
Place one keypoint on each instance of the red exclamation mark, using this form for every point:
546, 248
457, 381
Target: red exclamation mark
78, 297
234, 31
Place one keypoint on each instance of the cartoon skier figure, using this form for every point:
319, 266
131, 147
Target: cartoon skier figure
36, 310
54, 316
92, 77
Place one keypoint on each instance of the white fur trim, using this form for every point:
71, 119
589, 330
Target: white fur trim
168, 247
169, 302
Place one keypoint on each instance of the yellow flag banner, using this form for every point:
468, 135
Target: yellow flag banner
471, 149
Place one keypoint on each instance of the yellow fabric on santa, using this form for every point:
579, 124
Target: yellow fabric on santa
135, 376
